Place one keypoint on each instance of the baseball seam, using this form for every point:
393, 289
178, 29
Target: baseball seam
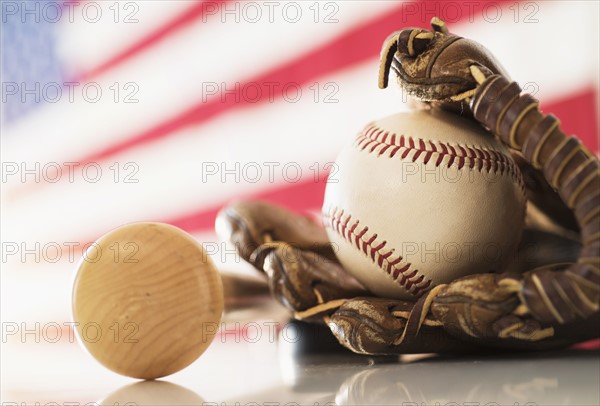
380, 141
401, 272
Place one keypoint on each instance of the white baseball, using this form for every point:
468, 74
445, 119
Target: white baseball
422, 198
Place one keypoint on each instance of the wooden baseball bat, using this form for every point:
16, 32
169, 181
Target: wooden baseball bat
148, 300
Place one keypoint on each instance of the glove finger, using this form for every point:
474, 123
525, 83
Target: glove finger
469, 306
539, 248
303, 279
375, 325
543, 196
250, 224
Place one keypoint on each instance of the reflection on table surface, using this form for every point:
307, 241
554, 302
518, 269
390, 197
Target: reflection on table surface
315, 371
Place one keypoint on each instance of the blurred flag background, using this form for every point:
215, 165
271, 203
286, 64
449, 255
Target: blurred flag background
114, 112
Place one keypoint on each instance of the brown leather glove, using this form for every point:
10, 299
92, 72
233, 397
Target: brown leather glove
550, 296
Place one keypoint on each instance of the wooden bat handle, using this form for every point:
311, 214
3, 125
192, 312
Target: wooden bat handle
241, 292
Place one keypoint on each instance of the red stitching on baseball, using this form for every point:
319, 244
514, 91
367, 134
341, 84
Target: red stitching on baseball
464, 155
413, 282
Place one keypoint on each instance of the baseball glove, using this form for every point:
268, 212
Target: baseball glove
549, 296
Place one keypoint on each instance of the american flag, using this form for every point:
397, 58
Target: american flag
115, 112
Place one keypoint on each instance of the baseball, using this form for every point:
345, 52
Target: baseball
421, 198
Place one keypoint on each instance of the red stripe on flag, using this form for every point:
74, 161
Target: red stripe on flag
578, 114
301, 196
188, 16
353, 47
588, 345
